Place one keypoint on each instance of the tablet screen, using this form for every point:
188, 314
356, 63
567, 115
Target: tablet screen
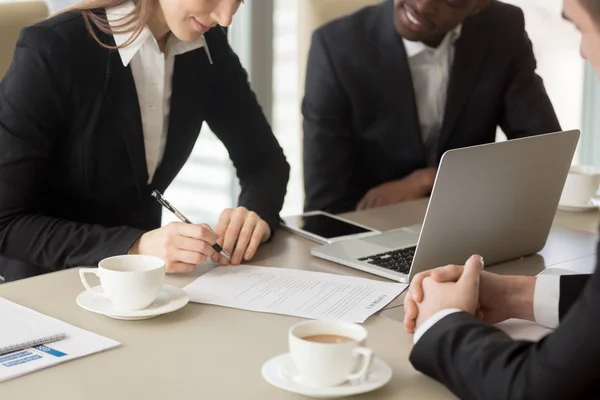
325, 226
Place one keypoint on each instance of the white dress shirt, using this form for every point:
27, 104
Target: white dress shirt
545, 306
153, 75
430, 69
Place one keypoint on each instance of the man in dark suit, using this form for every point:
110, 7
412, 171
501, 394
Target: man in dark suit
478, 361
390, 88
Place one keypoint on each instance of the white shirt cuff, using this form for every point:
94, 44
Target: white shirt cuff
545, 300
431, 321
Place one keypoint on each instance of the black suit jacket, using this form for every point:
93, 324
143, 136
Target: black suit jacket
478, 361
361, 126
73, 175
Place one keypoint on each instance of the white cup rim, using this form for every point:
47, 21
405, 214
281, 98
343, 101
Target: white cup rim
153, 263
354, 331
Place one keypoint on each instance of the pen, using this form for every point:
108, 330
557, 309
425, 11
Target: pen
156, 194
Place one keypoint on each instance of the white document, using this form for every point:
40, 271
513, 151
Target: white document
294, 292
520, 329
77, 343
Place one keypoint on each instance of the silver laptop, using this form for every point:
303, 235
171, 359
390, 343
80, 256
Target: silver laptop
497, 200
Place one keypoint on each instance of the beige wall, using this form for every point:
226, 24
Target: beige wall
13, 17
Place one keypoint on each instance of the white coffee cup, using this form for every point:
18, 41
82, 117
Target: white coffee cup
581, 185
322, 364
130, 282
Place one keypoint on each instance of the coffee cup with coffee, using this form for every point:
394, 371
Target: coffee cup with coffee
329, 353
130, 282
581, 186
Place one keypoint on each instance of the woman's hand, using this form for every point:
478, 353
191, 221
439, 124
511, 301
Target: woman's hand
240, 233
182, 246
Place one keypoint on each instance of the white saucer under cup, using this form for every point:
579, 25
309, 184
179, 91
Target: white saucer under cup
577, 207
169, 299
280, 372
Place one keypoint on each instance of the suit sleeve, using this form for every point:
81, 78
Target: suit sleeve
238, 121
478, 361
571, 287
527, 109
329, 146
34, 99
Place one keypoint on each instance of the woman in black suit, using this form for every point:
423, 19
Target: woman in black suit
102, 105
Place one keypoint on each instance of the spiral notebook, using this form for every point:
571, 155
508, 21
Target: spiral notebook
21, 330
30, 341
17, 340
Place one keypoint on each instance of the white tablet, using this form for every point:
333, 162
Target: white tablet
325, 228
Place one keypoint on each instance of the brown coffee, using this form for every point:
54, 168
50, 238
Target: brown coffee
328, 339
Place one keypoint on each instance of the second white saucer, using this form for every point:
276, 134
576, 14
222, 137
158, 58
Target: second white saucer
168, 300
280, 371
577, 207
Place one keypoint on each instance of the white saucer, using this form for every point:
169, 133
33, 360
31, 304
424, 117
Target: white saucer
169, 299
577, 207
280, 371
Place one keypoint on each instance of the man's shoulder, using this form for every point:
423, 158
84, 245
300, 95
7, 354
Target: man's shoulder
355, 24
501, 17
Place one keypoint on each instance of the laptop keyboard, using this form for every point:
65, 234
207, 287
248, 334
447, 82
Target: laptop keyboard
395, 260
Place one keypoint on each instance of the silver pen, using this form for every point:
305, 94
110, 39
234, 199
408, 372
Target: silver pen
159, 197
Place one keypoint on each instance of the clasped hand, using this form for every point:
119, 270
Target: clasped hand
490, 297
440, 289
